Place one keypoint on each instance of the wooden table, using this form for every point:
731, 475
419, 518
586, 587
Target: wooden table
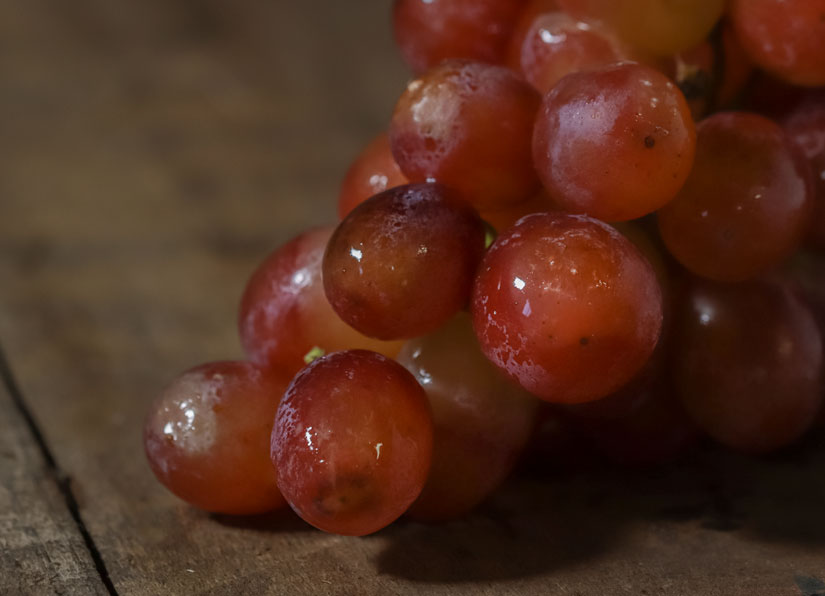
151, 153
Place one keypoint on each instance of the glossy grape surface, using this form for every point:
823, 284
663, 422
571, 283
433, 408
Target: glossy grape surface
482, 419
353, 442
207, 437
785, 37
468, 125
662, 27
373, 171
402, 263
284, 313
806, 127
556, 45
615, 143
429, 31
747, 202
748, 363
566, 306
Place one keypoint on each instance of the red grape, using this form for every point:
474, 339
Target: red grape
567, 307
806, 127
429, 31
785, 37
615, 143
482, 420
402, 263
747, 202
659, 27
443, 130
748, 363
284, 313
352, 442
556, 45
207, 436
373, 171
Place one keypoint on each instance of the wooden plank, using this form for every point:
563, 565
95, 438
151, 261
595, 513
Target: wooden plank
42, 549
152, 153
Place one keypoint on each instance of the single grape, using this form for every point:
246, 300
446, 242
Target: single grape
352, 442
284, 313
207, 435
748, 363
468, 125
806, 127
556, 45
482, 420
747, 203
429, 31
373, 171
785, 37
402, 263
566, 306
656, 26
615, 143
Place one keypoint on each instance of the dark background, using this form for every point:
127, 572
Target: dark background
152, 152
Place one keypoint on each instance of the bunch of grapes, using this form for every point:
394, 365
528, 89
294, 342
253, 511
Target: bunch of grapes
606, 212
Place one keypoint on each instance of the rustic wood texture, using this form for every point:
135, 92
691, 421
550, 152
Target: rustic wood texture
151, 153
42, 549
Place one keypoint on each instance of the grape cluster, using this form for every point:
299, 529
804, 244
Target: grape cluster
606, 214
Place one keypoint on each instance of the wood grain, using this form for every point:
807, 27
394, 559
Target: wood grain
152, 153
42, 550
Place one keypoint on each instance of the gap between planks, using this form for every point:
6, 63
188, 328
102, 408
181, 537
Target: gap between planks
62, 480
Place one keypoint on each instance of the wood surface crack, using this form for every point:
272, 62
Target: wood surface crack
62, 480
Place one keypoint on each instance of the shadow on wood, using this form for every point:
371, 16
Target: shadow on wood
538, 527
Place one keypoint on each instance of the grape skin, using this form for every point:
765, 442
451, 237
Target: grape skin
662, 28
556, 45
352, 442
567, 307
615, 143
442, 131
747, 203
402, 263
805, 125
430, 31
206, 437
785, 37
748, 363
